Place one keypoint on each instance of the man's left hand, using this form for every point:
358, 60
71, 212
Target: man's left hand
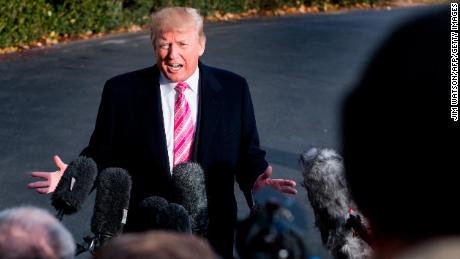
282, 185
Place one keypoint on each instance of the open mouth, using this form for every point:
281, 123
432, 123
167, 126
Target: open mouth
174, 66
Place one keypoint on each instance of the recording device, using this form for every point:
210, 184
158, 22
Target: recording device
157, 213
150, 207
110, 208
189, 190
174, 217
344, 230
74, 186
112, 202
273, 229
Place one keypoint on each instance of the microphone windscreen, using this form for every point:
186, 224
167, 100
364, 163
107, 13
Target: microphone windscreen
174, 217
189, 190
189, 186
74, 185
149, 208
327, 189
112, 202
324, 180
154, 203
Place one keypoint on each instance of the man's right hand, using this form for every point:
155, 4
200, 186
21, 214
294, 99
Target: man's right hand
50, 179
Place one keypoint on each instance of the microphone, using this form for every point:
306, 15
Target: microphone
341, 226
150, 207
74, 186
111, 206
189, 190
157, 213
274, 228
174, 217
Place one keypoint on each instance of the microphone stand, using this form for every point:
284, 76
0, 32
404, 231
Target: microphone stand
91, 244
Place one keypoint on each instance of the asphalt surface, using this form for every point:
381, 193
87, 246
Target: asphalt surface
298, 69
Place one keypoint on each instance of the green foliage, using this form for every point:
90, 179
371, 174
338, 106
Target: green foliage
77, 16
23, 21
267, 5
348, 3
137, 11
205, 6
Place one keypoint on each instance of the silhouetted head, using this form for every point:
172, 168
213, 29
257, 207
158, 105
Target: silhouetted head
156, 244
29, 232
398, 134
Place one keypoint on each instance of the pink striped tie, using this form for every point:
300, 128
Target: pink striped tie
183, 126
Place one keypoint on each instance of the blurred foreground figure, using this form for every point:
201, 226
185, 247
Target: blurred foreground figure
28, 232
397, 130
344, 231
273, 230
158, 245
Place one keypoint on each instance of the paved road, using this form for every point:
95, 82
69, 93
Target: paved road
298, 68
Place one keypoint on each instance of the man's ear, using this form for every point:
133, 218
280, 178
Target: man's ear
202, 45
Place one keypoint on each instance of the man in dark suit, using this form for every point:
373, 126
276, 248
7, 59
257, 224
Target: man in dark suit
179, 110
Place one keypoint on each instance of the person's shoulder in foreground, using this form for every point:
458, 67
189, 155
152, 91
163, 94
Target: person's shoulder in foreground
157, 244
396, 127
30, 232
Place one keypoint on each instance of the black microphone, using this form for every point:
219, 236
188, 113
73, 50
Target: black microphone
74, 186
157, 213
275, 228
174, 217
111, 206
336, 215
189, 190
150, 207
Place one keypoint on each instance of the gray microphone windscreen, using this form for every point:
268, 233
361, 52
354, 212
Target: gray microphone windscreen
189, 186
149, 209
324, 180
330, 198
174, 217
189, 190
112, 202
75, 185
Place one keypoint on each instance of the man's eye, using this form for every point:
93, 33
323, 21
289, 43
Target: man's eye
164, 46
182, 44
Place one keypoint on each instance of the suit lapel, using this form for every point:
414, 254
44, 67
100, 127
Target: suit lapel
210, 107
153, 119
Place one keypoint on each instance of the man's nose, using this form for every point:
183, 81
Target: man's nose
173, 51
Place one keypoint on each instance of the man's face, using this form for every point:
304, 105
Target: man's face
177, 53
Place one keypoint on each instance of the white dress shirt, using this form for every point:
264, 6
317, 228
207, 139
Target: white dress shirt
168, 100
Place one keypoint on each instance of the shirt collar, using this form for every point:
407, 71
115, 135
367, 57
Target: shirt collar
192, 81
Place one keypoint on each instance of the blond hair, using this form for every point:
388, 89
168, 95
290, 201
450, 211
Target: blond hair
171, 19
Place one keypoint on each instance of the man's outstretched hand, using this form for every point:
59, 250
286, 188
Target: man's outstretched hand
49, 179
282, 185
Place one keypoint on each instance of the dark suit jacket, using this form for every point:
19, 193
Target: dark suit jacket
129, 133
